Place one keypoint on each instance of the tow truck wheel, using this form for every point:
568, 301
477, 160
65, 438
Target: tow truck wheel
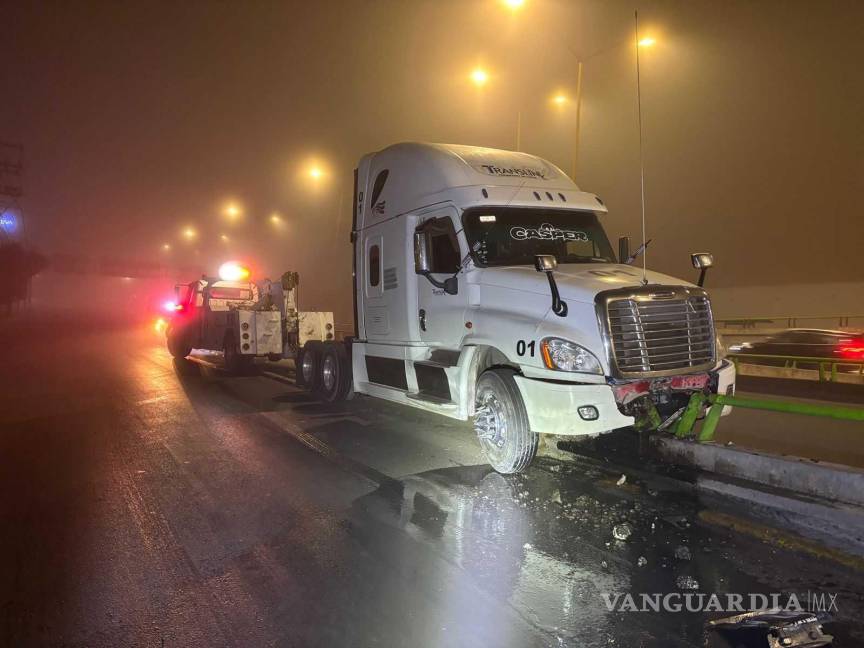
501, 422
334, 383
177, 345
306, 366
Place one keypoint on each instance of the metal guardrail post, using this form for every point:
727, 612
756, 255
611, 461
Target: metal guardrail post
691, 412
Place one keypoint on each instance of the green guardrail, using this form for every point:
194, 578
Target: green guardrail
716, 402
827, 366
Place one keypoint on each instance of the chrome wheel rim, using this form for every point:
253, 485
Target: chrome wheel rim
491, 424
307, 367
328, 372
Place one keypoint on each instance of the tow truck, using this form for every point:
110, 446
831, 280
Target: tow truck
242, 318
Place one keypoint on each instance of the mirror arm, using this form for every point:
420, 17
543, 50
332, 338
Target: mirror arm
449, 285
701, 281
559, 306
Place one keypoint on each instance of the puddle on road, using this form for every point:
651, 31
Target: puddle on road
561, 544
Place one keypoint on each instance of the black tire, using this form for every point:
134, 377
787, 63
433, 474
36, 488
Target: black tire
334, 369
235, 362
306, 372
501, 422
178, 345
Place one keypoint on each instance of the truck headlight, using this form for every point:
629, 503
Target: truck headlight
562, 355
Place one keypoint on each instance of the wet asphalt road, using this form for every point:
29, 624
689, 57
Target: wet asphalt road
150, 503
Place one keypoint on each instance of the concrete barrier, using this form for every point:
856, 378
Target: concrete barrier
820, 501
826, 481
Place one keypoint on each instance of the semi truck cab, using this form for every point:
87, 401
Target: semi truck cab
486, 289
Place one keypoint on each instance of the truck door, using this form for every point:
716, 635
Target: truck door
441, 316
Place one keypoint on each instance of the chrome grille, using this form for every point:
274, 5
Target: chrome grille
660, 331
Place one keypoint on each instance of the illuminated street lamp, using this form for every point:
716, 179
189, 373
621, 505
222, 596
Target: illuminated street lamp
166, 247
224, 238
479, 77
233, 211
646, 42
316, 172
514, 4
559, 100
276, 220
190, 234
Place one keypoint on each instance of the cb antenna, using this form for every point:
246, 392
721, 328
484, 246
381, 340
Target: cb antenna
641, 155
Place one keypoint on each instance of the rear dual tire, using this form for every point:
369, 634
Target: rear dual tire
324, 369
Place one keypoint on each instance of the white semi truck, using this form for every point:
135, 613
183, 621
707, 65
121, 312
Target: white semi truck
486, 290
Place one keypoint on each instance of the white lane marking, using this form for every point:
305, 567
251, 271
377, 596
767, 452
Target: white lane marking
149, 401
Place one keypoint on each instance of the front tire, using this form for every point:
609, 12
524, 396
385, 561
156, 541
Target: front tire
501, 422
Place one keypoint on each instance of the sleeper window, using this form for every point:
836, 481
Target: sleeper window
374, 265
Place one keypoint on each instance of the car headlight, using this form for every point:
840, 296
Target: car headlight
563, 355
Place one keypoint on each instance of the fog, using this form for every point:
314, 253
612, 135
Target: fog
141, 119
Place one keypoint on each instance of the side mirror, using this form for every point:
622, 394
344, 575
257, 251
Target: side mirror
702, 261
422, 265
421, 253
545, 263
623, 249
451, 285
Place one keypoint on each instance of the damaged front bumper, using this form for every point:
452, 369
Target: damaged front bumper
658, 403
573, 409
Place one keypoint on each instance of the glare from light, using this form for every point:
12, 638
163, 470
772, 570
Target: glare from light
160, 325
559, 99
479, 77
316, 172
646, 42
169, 306
233, 211
514, 4
276, 219
224, 238
166, 247
233, 271
190, 234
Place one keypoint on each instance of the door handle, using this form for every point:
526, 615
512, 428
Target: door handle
422, 319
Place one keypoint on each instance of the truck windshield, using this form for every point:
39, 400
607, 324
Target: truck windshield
506, 236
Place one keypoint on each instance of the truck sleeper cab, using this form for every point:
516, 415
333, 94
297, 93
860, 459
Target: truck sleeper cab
486, 289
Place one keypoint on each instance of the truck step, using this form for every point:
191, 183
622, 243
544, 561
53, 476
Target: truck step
430, 398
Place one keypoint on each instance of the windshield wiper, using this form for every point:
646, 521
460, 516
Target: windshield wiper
637, 252
589, 259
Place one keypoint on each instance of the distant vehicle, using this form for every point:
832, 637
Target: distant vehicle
242, 319
809, 343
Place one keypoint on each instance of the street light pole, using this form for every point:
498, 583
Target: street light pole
578, 121
519, 130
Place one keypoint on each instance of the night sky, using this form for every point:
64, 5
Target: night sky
139, 119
